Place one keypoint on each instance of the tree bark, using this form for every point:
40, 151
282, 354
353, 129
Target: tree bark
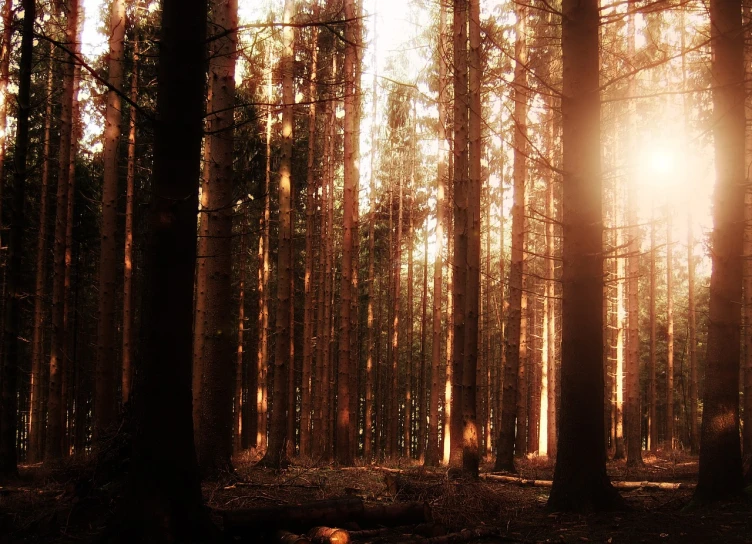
580, 479
720, 456
510, 416
669, 334
275, 454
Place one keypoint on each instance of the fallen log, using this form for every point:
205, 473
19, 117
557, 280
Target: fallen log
618, 485
426, 530
330, 513
328, 535
286, 537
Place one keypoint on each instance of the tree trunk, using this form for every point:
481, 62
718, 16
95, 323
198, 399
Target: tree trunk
104, 390
238, 401
580, 479
213, 353
652, 396
432, 449
669, 335
460, 189
510, 416
275, 456
422, 385
127, 370
11, 357
36, 415
470, 431
344, 367
747, 287
449, 402
409, 372
720, 456
55, 406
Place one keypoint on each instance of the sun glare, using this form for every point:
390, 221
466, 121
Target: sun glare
661, 161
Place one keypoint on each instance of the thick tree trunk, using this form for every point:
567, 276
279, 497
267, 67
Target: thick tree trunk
747, 287
213, 352
163, 500
720, 456
393, 438
511, 419
11, 359
55, 405
105, 386
130, 191
432, 449
580, 479
36, 417
276, 452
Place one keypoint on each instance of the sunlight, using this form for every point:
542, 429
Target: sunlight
662, 162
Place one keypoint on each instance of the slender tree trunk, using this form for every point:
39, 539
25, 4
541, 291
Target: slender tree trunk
670, 334
470, 431
511, 417
275, 455
619, 373
163, 500
632, 380
127, 374
720, 456
409, 371
461, 189
551, 323
694, 427
11, 359
262, 353
104, 395
449, 402
55, 405
580, 479
747, 287
5, 45
238, 402
308, 326
432, 450
344, 367
36, 418
546, 336
422, 385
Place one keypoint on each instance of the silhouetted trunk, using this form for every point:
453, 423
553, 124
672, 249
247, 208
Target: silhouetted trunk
36, 405
580, 480
632, 380
747, 287
669, 335
238, 400
11, 359
720, 456
163, 500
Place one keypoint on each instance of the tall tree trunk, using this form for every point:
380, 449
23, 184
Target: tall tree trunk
669, 335
409, 368
11, 359
55, 405
262, 353
213, 356
461, 189
632, 411
393, 438
104, 387
747, 287
547, 337
510, 418
580, 479
449, 402
130, 191
163, 500
36, 417
720, 456
470, 431
632, 380
308, 325
422, 385
619, 373
432, 450
5, 45
694, 426
344, 367
238, 401
275, 454
551, 426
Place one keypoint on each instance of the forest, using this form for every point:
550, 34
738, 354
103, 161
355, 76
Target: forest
372, 271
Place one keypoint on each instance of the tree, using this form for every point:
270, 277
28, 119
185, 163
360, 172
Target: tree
344, 366
55, 405
104, 398
213, 344
275, 453
720, 453
510, 415
163, 500
580, 479
11, 359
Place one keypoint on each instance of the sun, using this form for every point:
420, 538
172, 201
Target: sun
661, 161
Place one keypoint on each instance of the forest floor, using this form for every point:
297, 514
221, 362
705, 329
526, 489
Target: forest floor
49, 507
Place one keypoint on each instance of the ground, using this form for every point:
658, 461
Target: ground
60, 506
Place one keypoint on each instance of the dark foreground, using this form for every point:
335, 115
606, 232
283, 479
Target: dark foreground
60, 506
